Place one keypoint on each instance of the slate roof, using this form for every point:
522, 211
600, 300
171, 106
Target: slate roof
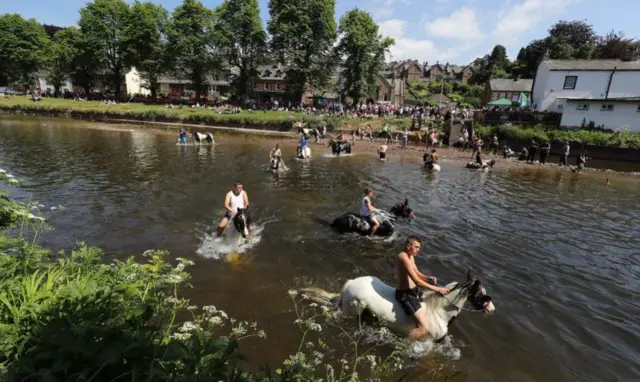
592, 65
508, 85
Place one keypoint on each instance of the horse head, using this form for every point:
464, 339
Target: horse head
240, 222
492, 162
477, 295
402, 210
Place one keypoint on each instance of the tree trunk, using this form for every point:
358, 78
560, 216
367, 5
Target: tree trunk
117, 87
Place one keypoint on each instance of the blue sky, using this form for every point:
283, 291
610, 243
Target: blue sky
454, 31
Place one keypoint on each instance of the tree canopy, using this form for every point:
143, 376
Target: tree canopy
24, 49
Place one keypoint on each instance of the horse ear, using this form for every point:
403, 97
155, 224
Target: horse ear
469, 275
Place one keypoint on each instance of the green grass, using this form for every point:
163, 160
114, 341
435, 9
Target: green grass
623, 139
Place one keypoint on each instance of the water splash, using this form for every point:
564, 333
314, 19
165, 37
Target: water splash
446, 348
213, 247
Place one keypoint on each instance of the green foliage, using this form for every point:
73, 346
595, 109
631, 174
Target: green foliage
302, 36
191, 43
61, 60
539, 133
107, 25
149, 45
363, 51
615, 46
242, 40
24, 49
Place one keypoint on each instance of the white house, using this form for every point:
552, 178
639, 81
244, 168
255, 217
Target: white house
613, 113
42, 83
557, 81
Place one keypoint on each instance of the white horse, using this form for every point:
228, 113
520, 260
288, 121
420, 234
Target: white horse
237, 231
433, 168
379, 299
304, 153
199, 137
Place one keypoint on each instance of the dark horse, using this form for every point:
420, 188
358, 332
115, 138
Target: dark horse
350, 222
340, 147
240, 222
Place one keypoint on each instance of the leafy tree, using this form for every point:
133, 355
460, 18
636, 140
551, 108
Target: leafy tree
51, 30
615, 46
61, 60
242, 40
302, 37
571, 39
147, 27
105, 24
192, 43
24, 49
363, 50
87, 58
498, 57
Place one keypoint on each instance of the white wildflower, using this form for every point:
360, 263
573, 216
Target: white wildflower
292, 292
188, 327
209, 309
239, 330
180, 267
310, 344
181, 336
172, 300
223, 315
216, 321
2, 171
313, 305
174, 279
13, 181
315, 327
192, 308
262, 334
148, 253
372, 360
9, 176
318, 355
324, 308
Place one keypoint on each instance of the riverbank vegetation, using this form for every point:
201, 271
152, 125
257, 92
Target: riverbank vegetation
539, 133
71, 316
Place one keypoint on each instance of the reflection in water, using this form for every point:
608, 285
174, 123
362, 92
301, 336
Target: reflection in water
557, 251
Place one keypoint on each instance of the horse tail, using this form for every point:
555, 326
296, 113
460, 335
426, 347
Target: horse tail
320, 296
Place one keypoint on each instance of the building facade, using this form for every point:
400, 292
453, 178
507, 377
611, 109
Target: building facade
507, 88
557, 81
612, 113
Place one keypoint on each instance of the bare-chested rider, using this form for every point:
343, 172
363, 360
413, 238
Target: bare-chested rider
382, 152
275, 157
409, 282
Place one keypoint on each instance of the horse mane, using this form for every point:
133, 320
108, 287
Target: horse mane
435, 300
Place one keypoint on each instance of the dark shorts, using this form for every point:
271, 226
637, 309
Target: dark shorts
369, 220
410, 300
383, 155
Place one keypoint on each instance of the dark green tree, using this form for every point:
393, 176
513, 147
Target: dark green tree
302, 38
362, 51
105, 23
147, 32
192, 43
87, 59
242, 40
24, 49
61, 59
615, 46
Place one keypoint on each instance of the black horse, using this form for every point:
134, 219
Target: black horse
350, 222
240, 222
340, 147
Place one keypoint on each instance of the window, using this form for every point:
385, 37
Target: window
608, 107
217, 78
582, 106
277, 85
503, 94
638, 109
515, 97
560, 106
267, 86
570, 82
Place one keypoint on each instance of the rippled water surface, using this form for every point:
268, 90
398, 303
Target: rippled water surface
559, 252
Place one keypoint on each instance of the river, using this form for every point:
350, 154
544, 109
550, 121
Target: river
558, 252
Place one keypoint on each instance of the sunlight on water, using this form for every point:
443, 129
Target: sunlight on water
213, 247
446, 348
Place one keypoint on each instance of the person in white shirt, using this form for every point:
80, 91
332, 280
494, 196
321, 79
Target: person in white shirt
366, 210
236, 198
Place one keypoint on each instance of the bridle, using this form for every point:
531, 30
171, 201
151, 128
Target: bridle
463, 286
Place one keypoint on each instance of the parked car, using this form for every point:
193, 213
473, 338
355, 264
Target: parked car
7, 91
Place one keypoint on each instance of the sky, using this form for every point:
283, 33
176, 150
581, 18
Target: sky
455, 31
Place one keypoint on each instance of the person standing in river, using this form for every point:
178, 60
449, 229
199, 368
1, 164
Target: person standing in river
544, 152
533, 148
564, 158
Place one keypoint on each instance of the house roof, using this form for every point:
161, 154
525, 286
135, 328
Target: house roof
508, 85
593, 65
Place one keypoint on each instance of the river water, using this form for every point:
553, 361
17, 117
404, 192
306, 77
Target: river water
558, 252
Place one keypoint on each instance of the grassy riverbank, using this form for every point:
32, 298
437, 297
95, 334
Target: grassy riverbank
623, 139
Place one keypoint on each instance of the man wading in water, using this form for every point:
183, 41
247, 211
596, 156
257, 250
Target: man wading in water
408, 283
236, 198
382, 152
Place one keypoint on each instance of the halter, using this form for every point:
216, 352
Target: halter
462, 286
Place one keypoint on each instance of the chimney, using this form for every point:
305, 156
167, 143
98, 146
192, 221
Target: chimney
547, 55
